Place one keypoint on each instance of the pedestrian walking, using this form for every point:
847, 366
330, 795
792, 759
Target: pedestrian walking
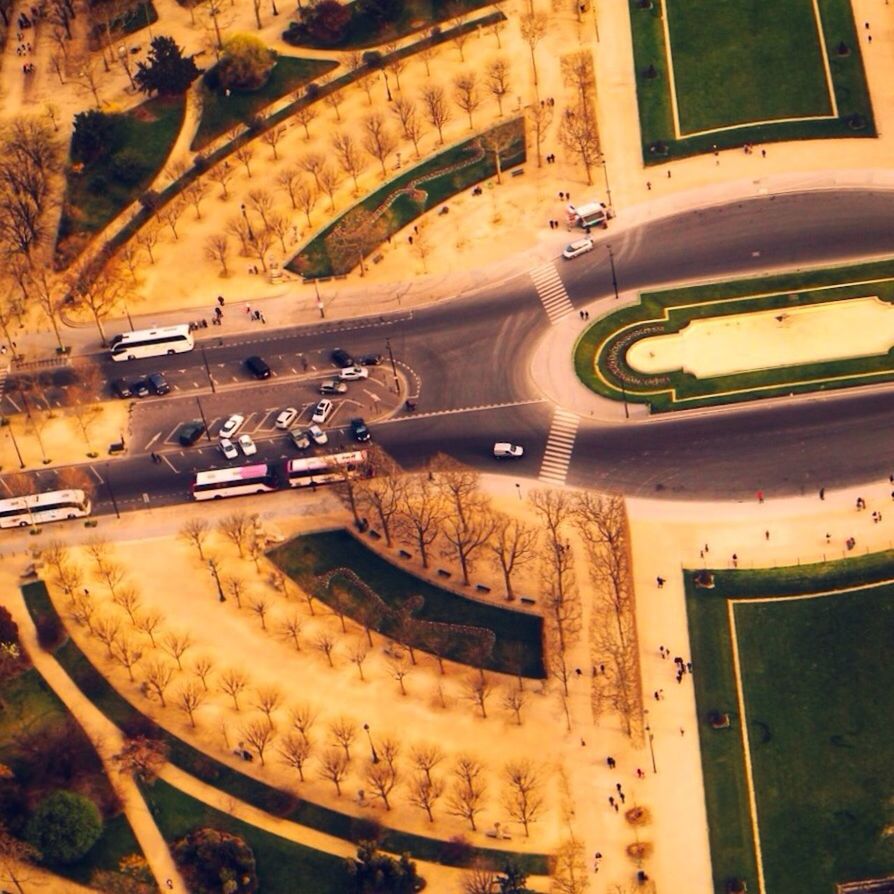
822, 493
735, 561
766, 535
828, 538
649, 185
760, 496
660, 582
618, 787
220, 300
623, 798
611, 763
655, 694
611, 800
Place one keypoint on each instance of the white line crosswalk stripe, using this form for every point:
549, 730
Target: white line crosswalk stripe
551, 291
559, 447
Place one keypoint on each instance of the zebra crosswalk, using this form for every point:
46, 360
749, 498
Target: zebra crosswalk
559, 447
551, 291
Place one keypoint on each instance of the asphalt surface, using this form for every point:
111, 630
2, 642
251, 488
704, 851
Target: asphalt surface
465, 363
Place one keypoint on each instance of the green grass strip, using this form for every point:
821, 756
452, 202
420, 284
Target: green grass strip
265, 797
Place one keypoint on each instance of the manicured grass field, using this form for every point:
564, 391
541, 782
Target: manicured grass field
672, 309
743, 61
740, 62
517, 633
221, 112
818, 686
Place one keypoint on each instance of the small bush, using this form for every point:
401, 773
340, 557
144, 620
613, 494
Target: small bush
64, 827
127, 168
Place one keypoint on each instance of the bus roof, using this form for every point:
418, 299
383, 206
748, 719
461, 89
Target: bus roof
313, 463
259, 470
35, 500
180, 329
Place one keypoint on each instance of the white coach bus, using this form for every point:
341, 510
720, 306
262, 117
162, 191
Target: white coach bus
151, 342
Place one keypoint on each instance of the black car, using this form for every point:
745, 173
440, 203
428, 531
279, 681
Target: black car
258, 367
120, 388
190, 433
342, 358
371, 359
359, 430
140, 388
159, 384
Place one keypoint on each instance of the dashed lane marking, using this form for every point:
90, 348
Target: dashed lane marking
411, 416
551, 291
559, 447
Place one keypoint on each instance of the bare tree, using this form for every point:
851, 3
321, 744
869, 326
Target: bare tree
170, 215
466, 94
522, 796
196, 532
514, 700
426, 757
349, 155
425, 792
303, 717
235, 586
421, 513
261, 202
466, 798
202, 667
436, 108
142, 757
334, 767
217, 248
306, 198
159, 674
407, 114
148, 239
260, 606
326, 644
15, 856
578, 134
290, 629
498, 80
541, 118
129, 599
259, 734
237, 528
267, 700
577, 72
100, 287
244, 155
189, 699
478, 689
394, 62
513, 544
358, 654
149, 623
128, 654
400, 670
289, 179
44, 292
232, 683
304, 116
480, 880
279, 226
329, 180
533, 29
333, 100
296, 751
378, 139
107, 630
344, 731
313, 163
570, 874
382, 778
221, 174
385, 493
273, 138
194, 193
426, 54
460, 37
176, 645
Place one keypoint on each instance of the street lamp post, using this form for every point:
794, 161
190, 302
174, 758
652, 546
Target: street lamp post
320, 307
208, 370
393, 365
15, 444
518, 490
372, 748
251, 232
111, 491
125, 62
127, 314
651, 736
204, 420
387, 88
213, 566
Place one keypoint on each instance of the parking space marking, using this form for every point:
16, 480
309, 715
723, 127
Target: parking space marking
152, 440
168, 463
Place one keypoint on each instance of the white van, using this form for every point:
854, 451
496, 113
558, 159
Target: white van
505, 450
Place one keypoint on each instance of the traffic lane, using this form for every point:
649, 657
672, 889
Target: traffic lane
743, 238
780, 448
469, 436
155, 423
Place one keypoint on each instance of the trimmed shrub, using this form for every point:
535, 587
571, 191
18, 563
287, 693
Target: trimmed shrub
64, 827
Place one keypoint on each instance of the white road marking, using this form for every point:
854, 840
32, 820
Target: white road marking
551, 291
152, 440
559, 447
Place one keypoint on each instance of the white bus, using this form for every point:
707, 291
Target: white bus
219, 483
151, 342
35, 509
325, 469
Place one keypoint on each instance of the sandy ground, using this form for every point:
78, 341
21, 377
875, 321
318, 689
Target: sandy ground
718, 346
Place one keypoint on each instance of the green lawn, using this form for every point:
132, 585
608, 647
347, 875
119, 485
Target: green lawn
518, 634
94, 196
315, 259
749, 60
607, 341
283, 867
221, 112
742, 61
818, 687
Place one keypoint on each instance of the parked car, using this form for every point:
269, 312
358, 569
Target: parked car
286, 418
322, 411
120, 388
140, 388
299, 438
578, 247
504, 450
317, 435
248, 445
342, 358
353, 373
228, 448
159, 384
371, 359
359, 430
190, 433
333, 386
258, 367
231, 426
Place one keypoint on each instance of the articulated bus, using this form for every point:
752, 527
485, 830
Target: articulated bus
219, 483
36, 509
325, 469
151, 342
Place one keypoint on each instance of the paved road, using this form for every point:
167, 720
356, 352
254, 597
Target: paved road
467, 360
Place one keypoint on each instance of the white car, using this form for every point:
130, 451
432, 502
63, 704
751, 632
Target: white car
318, 435
504, 450
322, 411
576, 248
228, 448
286, 418
231, 426
352, 373
248, 445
